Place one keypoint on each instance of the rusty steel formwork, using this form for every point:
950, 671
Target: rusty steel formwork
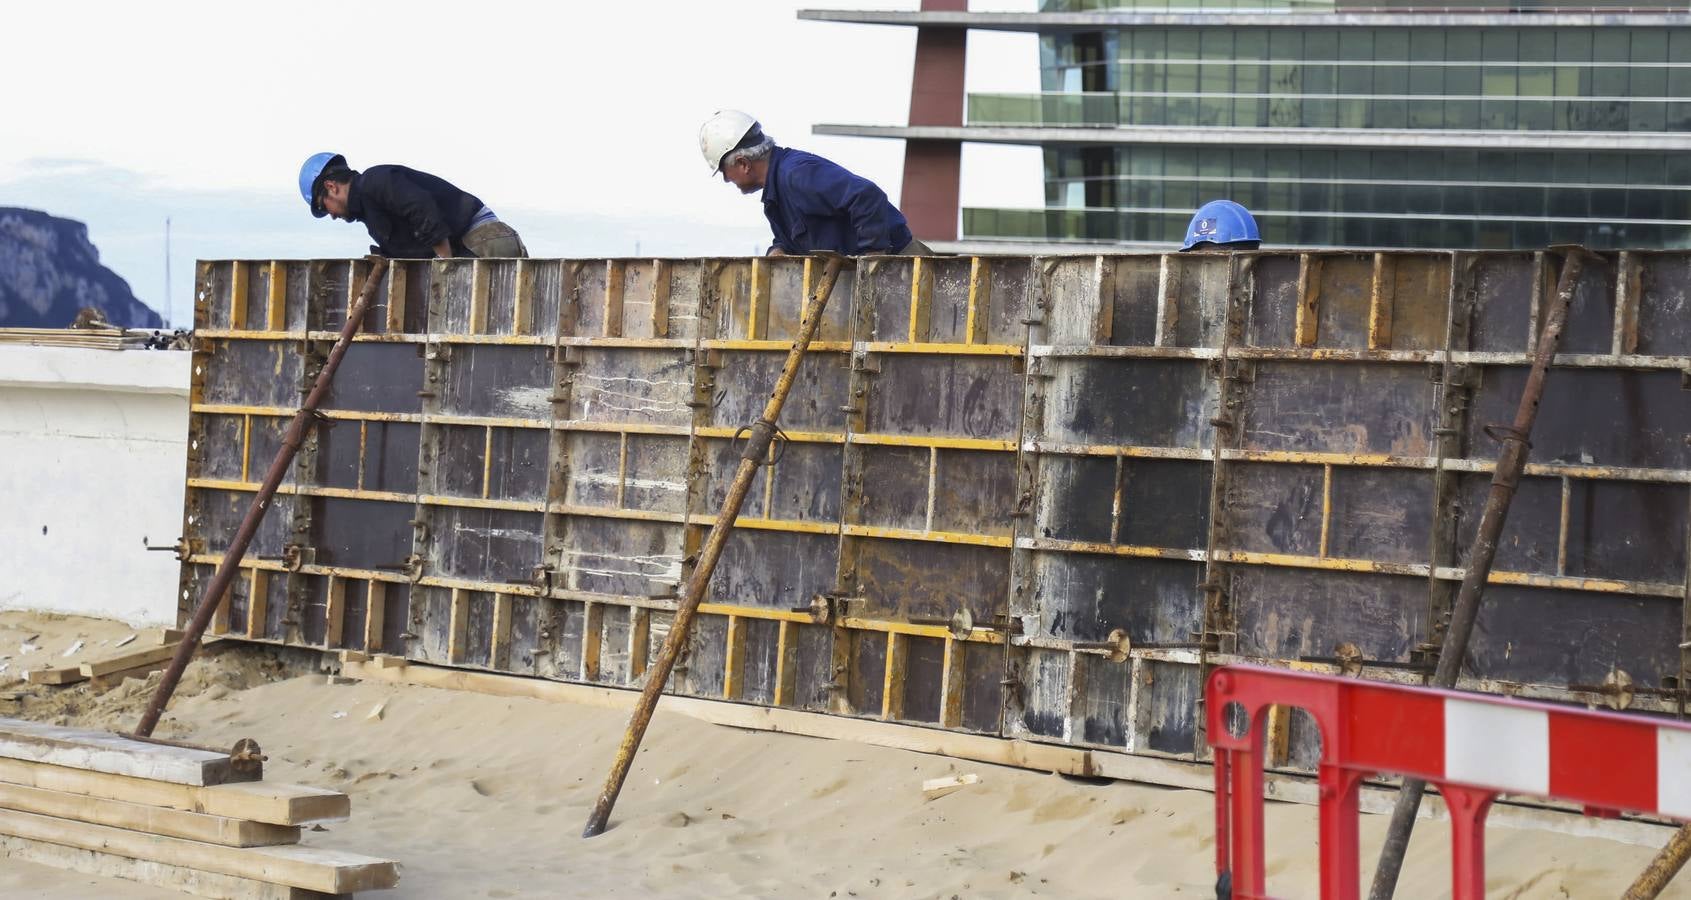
1028, 497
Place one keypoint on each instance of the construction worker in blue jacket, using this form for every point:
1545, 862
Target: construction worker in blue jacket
409, 214
810, 202
1222, 225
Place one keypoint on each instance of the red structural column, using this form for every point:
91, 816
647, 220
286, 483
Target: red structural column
933, 170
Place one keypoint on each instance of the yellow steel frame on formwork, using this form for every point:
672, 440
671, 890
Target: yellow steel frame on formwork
960, 403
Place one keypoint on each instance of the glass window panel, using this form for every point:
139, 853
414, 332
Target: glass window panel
1647, 116
1250, 43
1215, 78
1182, 43
1321, 43
1611, 45
1182, 111
1426, 112
1181, 77
1391, 80
1497, 114
1250, 113
1216, 43
1318, 79
1462, 81
1391, 114
1498, 81
1214, 161
1499, 45
1463, 46
1537, 81
1462, 114
1649, 45
1679, 173
1573, 44
1536, 45
1285, 43
1352, 112
1426, 44
1608, 203
1391, 45
1425, 80
1534, 115
1250, 79
1356, 44
1356, 79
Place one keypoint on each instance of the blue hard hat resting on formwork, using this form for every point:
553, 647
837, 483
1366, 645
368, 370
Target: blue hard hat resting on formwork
1221, 222
311, 175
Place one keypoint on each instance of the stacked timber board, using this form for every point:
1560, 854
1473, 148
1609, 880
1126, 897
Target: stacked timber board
195, 819
1034, 498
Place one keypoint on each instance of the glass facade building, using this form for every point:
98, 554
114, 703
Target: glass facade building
1477, 125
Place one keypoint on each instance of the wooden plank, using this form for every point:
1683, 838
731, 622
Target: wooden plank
935, 788
480, 287
179, 823
276, 309
375, 614
500, 650
615, 271
951, 685
1309, 300
312, 868
734, 668
660, 297
592, 640
115, 754
144, 871
1279, 743
133, 660
921, 299
59, 676
757, 312
892, 677
639, 641
458, 634
238, 276
522, 314
980, 301
220, 618
1104, 283
334, 612
258, 602
1381, 300
396, 299
982, 748
786, 662
258, 801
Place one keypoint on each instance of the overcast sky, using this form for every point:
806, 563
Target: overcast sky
576, 122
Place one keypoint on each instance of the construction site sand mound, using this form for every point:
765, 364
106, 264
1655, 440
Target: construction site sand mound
481, 796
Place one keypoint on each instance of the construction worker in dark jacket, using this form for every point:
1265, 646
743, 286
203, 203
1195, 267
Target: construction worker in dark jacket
810, 202
409, 214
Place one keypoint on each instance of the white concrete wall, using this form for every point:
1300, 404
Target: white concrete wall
93, 454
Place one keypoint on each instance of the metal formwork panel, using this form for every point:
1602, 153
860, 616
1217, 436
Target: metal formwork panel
1034, 497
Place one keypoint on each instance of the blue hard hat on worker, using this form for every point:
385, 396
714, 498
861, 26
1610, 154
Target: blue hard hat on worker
1222, 223
311, 178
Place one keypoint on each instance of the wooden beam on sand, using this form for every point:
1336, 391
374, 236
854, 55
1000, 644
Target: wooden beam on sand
1176, 773
257, 801
191, 826
312, 868
115, 754
146, 871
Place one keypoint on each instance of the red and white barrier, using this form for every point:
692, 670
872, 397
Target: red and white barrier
1471, 746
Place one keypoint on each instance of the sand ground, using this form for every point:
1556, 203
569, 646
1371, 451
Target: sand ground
485, 797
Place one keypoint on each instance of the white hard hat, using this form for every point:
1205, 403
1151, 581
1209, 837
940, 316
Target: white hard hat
721, 133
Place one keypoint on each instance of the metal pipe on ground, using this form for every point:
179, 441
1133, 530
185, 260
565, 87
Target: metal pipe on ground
231, 564
757, 448
1510, 462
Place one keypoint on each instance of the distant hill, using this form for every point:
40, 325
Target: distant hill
49, 270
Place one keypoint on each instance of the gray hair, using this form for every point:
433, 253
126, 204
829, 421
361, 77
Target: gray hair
752, 152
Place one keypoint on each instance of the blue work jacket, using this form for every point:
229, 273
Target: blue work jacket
814, 204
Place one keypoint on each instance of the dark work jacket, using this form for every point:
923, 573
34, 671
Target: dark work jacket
814, 204
407, 212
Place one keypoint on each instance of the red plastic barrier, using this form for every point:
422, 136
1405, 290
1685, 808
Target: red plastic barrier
1471, 746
